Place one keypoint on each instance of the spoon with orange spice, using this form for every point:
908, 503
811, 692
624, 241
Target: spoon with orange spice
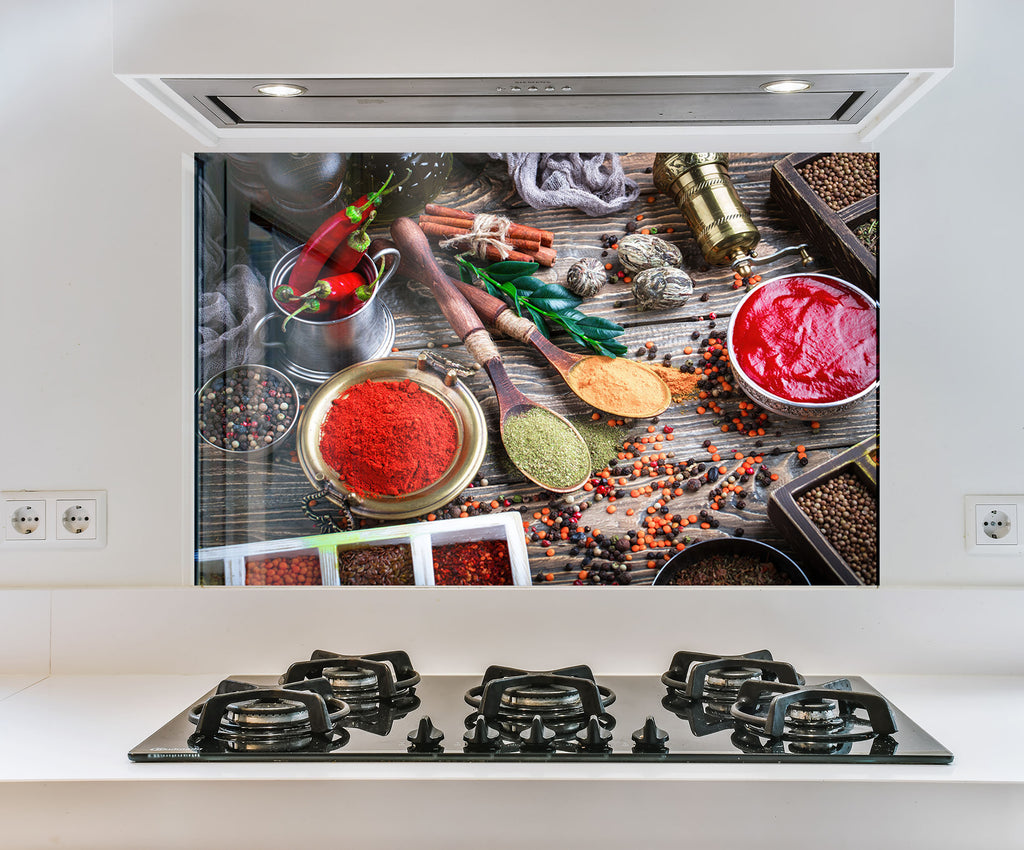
544, 446
614, 385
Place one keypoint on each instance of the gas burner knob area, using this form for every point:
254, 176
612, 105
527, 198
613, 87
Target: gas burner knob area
426, 738
595, 737
538, 738
482, 738
650, 738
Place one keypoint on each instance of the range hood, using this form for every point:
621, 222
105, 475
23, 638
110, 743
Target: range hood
554, 101
590, 70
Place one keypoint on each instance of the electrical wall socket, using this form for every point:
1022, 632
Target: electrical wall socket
24, 519
54, 519
992, 525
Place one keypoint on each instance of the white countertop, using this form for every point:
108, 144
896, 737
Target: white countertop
10, 685
94, 742
65, 750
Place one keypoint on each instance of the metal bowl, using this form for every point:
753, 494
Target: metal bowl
216, 386
786, 407
693, 555
460, 402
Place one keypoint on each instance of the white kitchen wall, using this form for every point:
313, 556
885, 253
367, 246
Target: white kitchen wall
91, 299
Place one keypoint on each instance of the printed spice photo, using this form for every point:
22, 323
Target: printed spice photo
642, 369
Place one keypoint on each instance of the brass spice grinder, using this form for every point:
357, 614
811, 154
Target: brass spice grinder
700, 186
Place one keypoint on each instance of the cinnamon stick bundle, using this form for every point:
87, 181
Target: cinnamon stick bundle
545, 237
527, 242
458, 226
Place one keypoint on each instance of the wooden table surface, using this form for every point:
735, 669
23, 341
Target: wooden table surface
242, 500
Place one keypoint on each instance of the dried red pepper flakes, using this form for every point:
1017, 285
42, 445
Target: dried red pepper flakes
485, 562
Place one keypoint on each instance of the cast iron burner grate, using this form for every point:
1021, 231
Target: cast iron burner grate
243, 717
379, 687
386, 677
703, 687
718, 678
808, 717
537, 710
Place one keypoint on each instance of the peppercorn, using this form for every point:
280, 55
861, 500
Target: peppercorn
846, 512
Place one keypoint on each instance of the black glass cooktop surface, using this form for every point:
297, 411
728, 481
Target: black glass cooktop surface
556, 716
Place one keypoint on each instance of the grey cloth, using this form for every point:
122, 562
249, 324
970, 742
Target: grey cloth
592, 182
230, 303
227, 319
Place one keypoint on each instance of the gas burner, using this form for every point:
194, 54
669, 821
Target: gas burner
563, 699
704, 718
717, 679
365, 681
246, 718
812, 717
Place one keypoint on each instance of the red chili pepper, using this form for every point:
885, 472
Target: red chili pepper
339, 287
339, 243
309, 307
286, 297
343, 294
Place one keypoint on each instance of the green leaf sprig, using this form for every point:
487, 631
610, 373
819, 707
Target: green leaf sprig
544, 304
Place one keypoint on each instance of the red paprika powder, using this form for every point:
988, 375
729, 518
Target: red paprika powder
388, 438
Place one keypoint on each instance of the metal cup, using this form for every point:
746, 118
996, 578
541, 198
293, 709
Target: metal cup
313, 351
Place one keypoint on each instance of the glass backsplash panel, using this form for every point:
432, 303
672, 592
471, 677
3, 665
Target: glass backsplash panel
536, 369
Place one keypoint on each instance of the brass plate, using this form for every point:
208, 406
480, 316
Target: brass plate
469, 419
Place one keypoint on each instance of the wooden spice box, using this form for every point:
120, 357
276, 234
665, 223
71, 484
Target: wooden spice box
831, 230
819, 559
421, 537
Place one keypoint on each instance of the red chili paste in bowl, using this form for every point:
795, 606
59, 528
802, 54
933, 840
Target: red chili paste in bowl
807, 338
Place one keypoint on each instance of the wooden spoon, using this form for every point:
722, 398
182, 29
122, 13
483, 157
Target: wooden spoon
418, 262
571, 366
497, 314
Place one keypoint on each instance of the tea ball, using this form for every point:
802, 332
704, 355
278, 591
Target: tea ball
586, 277
661, 288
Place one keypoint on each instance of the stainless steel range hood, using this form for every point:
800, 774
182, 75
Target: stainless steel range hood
552, 101
583, 69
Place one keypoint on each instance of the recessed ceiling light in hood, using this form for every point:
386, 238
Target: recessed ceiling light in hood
280, 89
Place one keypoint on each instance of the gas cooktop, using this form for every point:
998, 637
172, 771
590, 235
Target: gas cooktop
704, 708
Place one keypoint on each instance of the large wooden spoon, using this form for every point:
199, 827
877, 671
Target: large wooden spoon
418, 262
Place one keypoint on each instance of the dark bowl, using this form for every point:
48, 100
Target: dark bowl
695, 554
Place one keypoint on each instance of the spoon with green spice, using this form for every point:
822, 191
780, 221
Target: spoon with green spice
544, 446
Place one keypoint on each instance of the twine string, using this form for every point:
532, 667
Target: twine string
487, 231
